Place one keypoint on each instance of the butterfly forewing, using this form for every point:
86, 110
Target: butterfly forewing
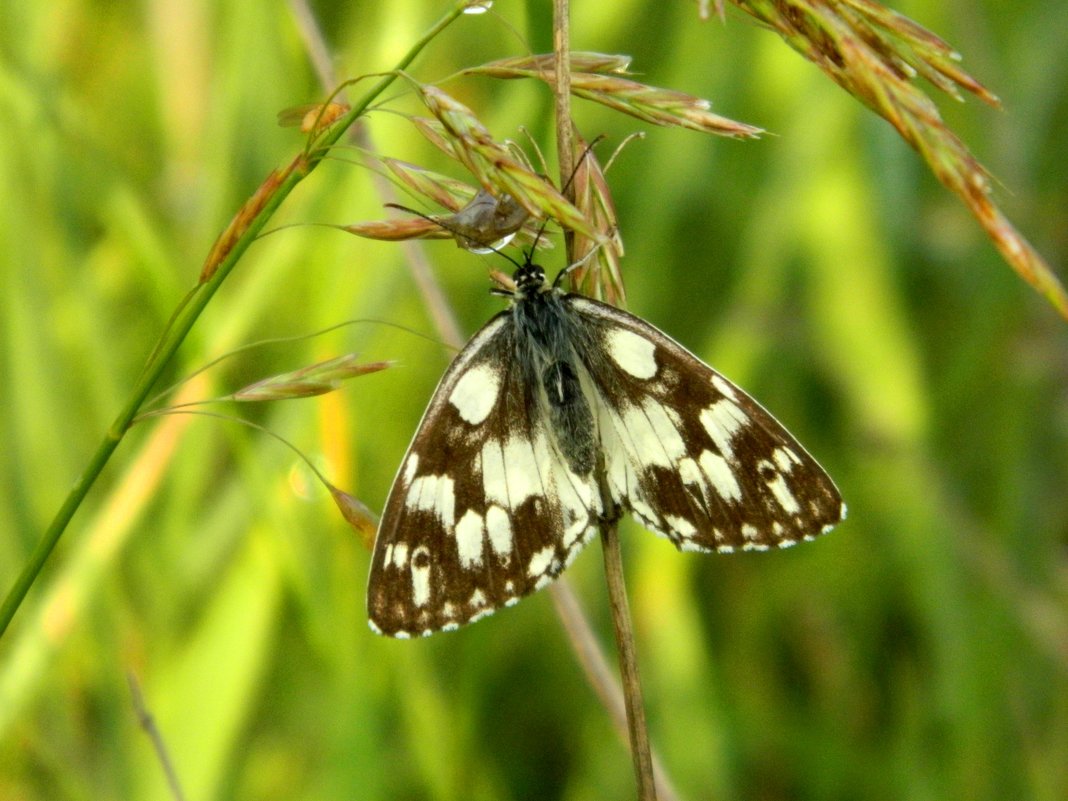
484, 509
691, 454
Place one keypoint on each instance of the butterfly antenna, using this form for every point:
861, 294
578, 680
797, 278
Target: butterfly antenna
572, 267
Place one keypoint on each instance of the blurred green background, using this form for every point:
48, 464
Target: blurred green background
918, 652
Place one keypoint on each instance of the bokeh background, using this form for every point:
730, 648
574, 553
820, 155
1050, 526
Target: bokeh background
918, 652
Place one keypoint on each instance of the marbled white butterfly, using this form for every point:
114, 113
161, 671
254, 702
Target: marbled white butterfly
558, 404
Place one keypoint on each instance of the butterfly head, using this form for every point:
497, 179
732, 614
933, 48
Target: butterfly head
529, 280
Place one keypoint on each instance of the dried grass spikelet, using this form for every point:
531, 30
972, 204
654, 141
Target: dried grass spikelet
600, 78
245, 217
313, 117
875, 54
356, 513
306, 382
493, 164
601, 274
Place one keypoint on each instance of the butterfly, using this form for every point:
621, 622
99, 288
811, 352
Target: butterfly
560, 413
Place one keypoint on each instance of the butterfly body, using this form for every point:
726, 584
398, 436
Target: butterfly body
558, 414
547, 341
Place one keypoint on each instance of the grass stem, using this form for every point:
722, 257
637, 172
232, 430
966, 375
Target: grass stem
641, 753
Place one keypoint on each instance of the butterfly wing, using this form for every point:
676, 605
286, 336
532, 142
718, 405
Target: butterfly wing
691, 455
484, 509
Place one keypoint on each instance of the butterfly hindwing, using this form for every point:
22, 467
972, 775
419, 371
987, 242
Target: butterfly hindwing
484, 509
692, 455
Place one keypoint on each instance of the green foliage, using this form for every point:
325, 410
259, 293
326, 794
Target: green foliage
919, 651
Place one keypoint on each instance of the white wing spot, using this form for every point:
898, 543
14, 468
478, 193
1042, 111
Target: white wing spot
724, 386
618, 462
721, 476
576, 496
785, 459
540, 561
665, 424
519, 477
445, 502
783, 496
653, 433
433, 494
475, 394
632, 352
750, 532
689, 472
499, 528
420, 571
478, 599
469, 536
410, 467
493, 476
681, 526
722, 420
400, 555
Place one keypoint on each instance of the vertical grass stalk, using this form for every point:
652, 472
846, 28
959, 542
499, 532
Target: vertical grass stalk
640, 750
641, 753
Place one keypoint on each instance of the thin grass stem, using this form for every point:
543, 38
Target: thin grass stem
148, 723
641, 754
600, 676
565, 140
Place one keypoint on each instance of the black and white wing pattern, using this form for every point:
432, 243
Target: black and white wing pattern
556, 406
484, 508
690, 454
